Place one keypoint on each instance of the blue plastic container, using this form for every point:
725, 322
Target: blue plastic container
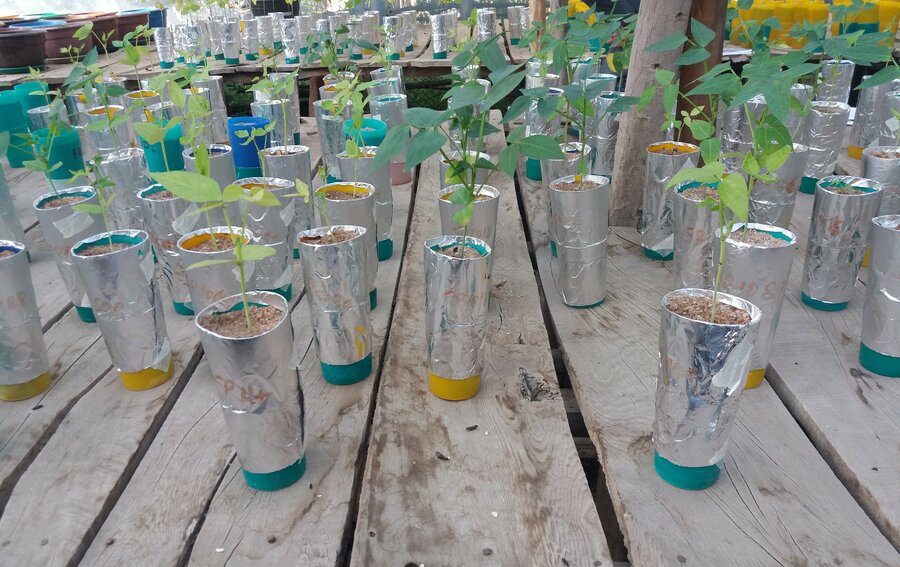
246, 154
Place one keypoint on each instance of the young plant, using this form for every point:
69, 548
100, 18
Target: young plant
101, 186
282, 88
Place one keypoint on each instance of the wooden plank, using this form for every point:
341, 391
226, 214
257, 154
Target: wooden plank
512, 491
777, 501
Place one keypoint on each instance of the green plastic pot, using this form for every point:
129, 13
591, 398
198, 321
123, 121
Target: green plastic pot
174, 152
372, 133
66, 149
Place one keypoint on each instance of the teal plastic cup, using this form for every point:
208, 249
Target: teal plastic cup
65, 149
168, 152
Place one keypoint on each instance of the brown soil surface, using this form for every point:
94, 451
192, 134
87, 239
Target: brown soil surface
163, 195
847, 190
757, 237
672, 151
885, 155
701, 192
337, 235
454, 252
576, 185
280, 152
233, 324
348, 196
698, 308
103, 249
828, 109
7, 253
216, 244
62, 201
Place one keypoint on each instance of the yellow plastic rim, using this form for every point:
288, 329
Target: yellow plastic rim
454, 390
755, 378
345, 189
855, 152
147, 378
671, 146
141, 94
30, 389
865, 261
195, 241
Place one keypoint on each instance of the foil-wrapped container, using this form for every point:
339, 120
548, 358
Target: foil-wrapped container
389, 109
582, 69
737, 130
408, 23
825, 125
534, 122
483, 223
162, 111
608, 80
188, 44
356, 208
485, 23
357, 32
702, 370
278, 113
579, 225
323, 26
128, 173
221, 163
216, 38
602, 131
880, 340
63, 226
107, 140
794, 122
167, 218
277, 27
866, 129
536, 67
441, 34
466, 72
773, 203
41, 117
127, 305
361, 169
266, 35
272, 227
164, 39
211, 87
305, 27
10, 227
232, 39
386, 86
517, 16
24, 366
250, 39
890, 119
664, 160
290, 39
331, 137
77, 104
372, 22
758, 274
333, 260
259, 390
393, 37
457, 291
450, 177
835, 79
838, 234
292, 163
394, 71
694, 239
209, 284
553, 169
882, 164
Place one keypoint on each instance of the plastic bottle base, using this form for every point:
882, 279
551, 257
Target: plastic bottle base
86, 314
686, 478
654, 255
373, 299
822, 305
808, 185
346, 374
533, 169
183, 309
385, 250
881, 364
146, 379
454, 390
268, 482
30, 389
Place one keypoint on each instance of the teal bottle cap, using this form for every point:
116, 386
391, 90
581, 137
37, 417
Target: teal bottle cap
346, 374
686, 478
183, 309
385, 250
879, 363
808, 185
268, 482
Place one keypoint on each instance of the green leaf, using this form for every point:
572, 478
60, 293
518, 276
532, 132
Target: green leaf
692, 56
190, 186
466, 95
422, 146
885, 75
709, 149
499, 90
151, 133
232, 193
702, 35
668, 43
253, 252
464, 215
750, 165
647, 97
776, 159
701, 129
540, 146
396, 140
421, 117
261, 197
517, 108
622, 104
664, 76
734, 195
508, 160
34, 164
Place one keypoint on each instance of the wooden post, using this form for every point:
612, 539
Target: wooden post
656, 20
711, 13
537, 10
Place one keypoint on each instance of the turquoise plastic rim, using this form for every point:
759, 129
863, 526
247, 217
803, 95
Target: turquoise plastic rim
587, 306
166, 64
86, 314
220, 56
304, 49
533, 169
243, 172
373, 299
355, 56
394, 57
346, 374
686, 478
291, 60
285, 292
808, 185
654, 255
553, 248
296, 253
439, 55
183, 309
114, 239
251, 57
881, 364
822, 305
514, 41
232, 61
267, 482
296, 138
331, 179
385, 250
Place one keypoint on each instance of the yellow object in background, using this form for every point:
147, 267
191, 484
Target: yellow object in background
888, 16
866, 19
577, 6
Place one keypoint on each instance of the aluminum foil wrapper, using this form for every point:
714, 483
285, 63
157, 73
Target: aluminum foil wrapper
331, 136
231, 33
356, 212
759, 274
277, 21
266, 35
361, 169
609, 81
466, 72
395, 71
835, 79
10, 227
126, 301
578, 223
866, 129
773, 203
188, 44
372, 21
162, 111
456, 304
127, 170
485, 24
291, 163
392, 36
272, 227
737, 133
881, 311
389, 109
602, 130
40, 117
694, 240
657, 227
216, 37
250, 38
537, 67
338, 293
221, 163
23, 356
794, 122
77, 103
890, 116
825, 125
217, 127
583, 68
481, 175
164, 39
440, 31
323, 26
210, 284
277, 112
63, 227
702, 370
553, 169
518, 21
535, 123
838, 234
167, 220
108, 140
386, 86
482, 225
882, 164
305, 27
258, 387
138, 102
290, 38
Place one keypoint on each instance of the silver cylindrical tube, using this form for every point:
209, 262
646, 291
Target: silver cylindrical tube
138, 102
250, 39
333, 260
259, 389
694, 236
758, 273
361, 169
890, 119
127, 171
386, 86
880, 340
882, 164
209, 284
835, 79
536, 124
702, 370
602, 132
162, 111
10, 226
838, 234
794, 122
331, 137
773, 203
188, 44
24, 366
277, 112
125, 298
579, 209
383, 73
664, 160
485, 24
215, 93
866, 129
389, 109
63, 227
41, 117
231, 32
825, 125
290, 38
292, 163
164, 40
221, 163
353, 204
294, 100
266, 35
553, 169
107, 140
450, 176
167, 218
304, 29
440, 34
457, 290
483, 222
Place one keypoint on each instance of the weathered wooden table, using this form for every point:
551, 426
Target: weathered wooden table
93, 474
